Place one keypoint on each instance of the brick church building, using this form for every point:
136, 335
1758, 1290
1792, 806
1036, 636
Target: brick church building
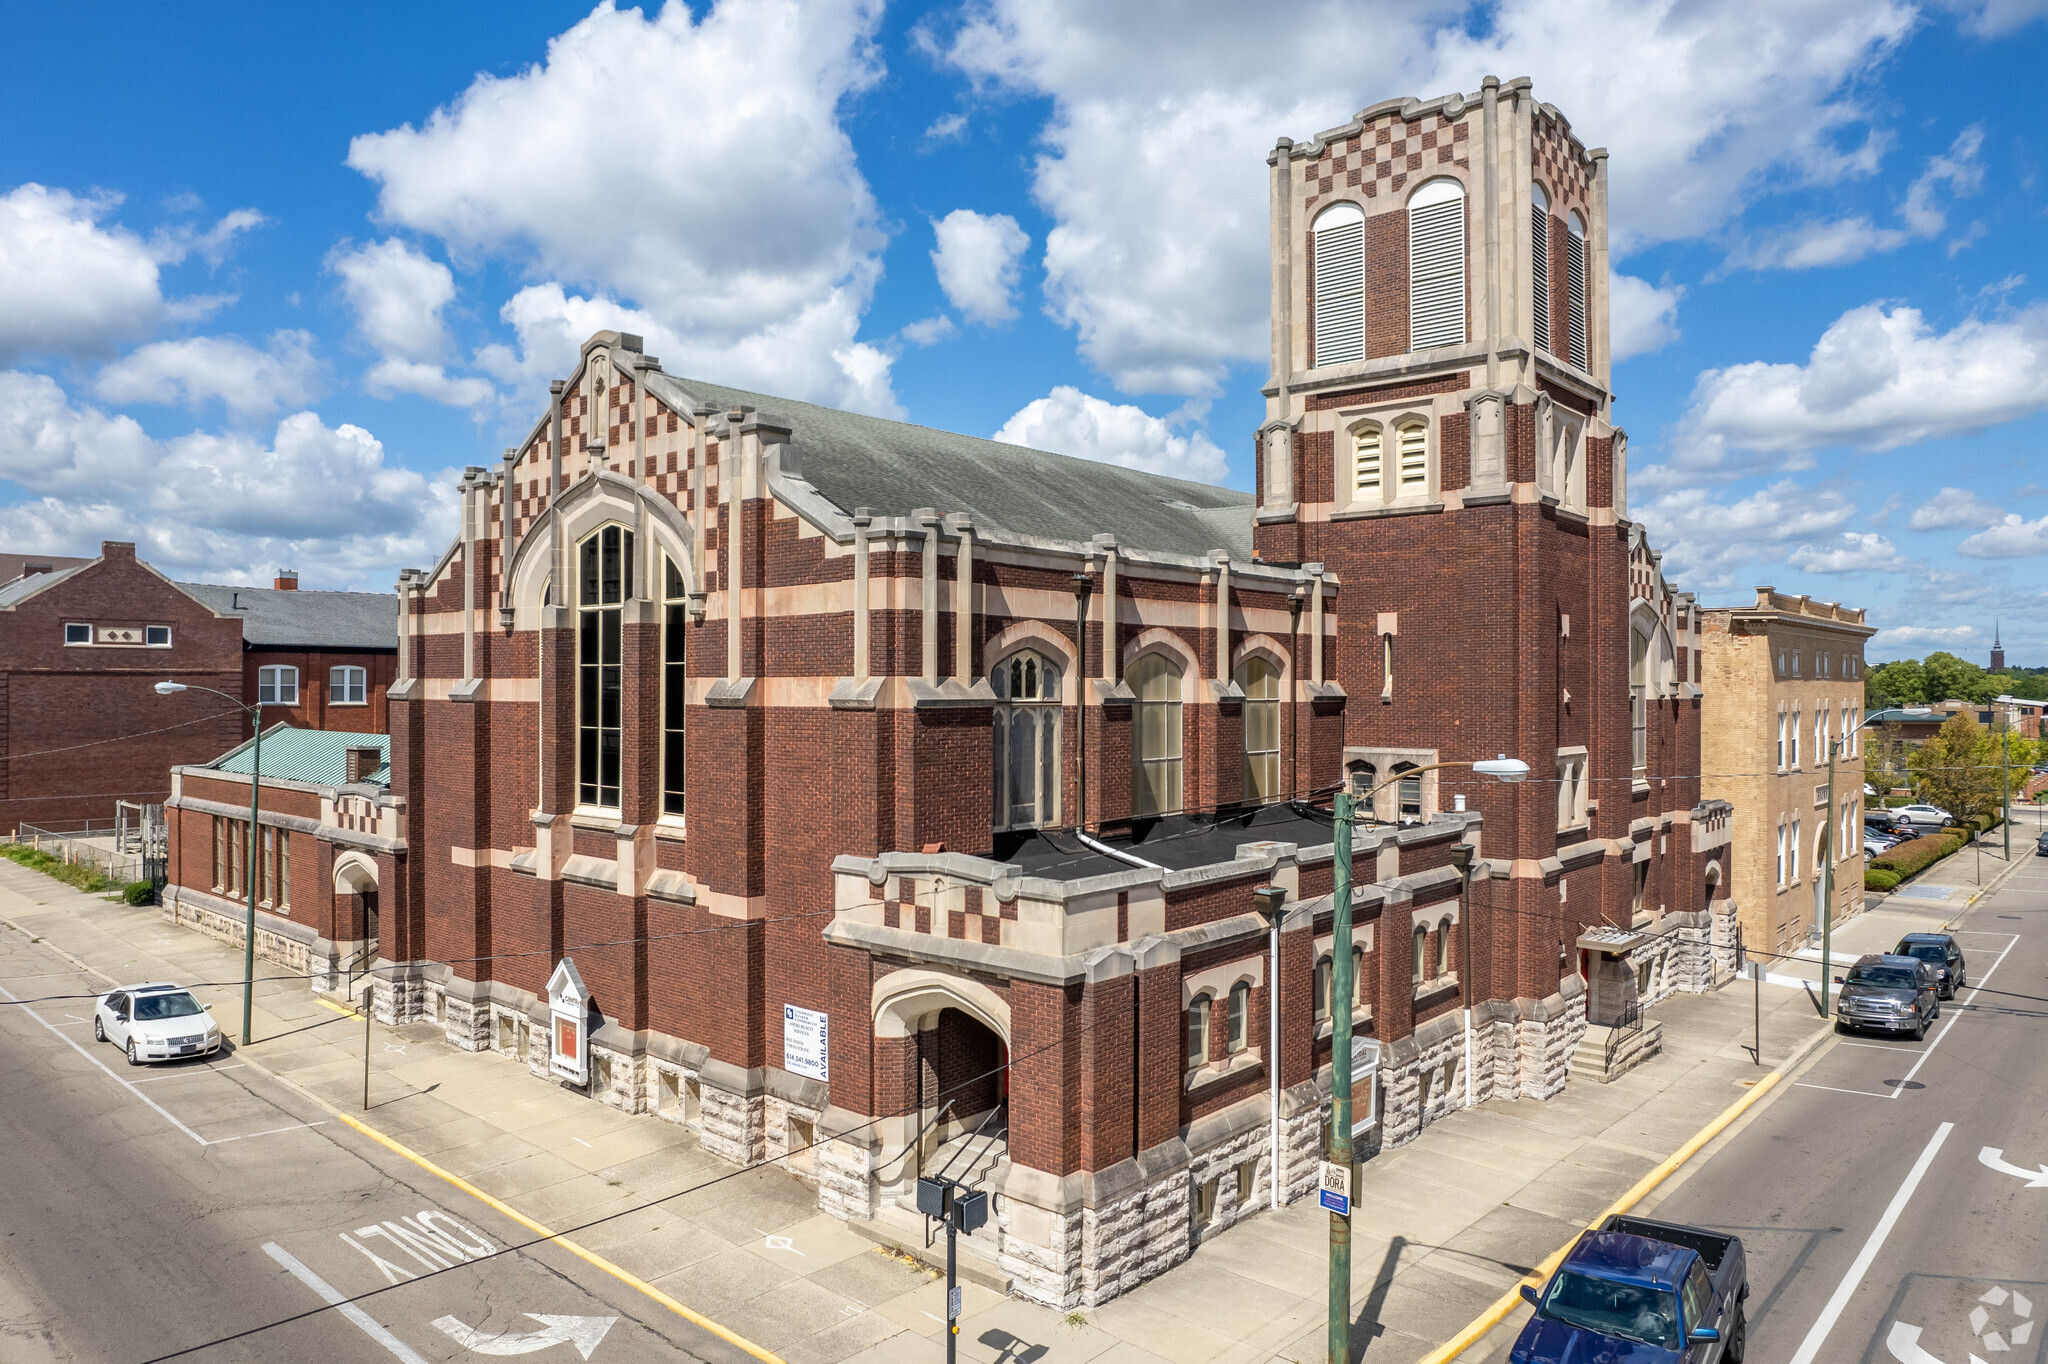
887, 800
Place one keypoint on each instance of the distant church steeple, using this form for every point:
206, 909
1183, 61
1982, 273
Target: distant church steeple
1997, 649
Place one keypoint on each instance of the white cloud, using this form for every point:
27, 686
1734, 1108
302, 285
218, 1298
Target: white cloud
210, 504
946, 128
695, 172
1955, 174
73, 284
1706, 541
2014, 537
1849, 552
397, 294
424, 380
1955, 507
199, 369
1877, 379
1642, 317
1154, 167
1899, 635
928, 331
977, 262
1070, 422
1995, 18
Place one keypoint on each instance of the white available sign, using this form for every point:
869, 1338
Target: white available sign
805, 1042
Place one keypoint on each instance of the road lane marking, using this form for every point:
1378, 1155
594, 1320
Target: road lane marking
1836, 1089
1971, 1001
1993, 1158
334, 1298
591, 1257
1852, 1280
74, 1045
1878, 1046
585, 1333
268, 1132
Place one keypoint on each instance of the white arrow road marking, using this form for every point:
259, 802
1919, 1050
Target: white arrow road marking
584, 1333
1904, 1344
1992, 1157
332, 1296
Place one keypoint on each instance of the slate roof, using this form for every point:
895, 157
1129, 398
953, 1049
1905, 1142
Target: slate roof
21, 588
318, 757
11, 564
893, 468
291, 619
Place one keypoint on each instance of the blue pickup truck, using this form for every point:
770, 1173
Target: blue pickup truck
1641, 1292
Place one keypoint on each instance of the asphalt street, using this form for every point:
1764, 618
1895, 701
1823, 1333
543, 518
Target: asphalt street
164, 1211
1894, 1195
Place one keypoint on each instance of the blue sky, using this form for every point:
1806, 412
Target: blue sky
270, 276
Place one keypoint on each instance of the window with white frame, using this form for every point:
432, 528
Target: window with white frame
1238, 1017
1339, 291
157, 636
1794, 848
1421, 954
1154, 680
1326, 974
1639, 698
1027, 740
277, 684
348, 686
1539, 266
1357, 978
1575, 290
1782, 721
1820, 733
1851, 740
1820, 846
605, 571
1795, 740
1198, 1031
1436, 265
1408, 791
1259, 678
1443, 948
77, 632
675, 686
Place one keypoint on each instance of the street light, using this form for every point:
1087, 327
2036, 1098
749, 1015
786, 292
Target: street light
1342, 987
250, 874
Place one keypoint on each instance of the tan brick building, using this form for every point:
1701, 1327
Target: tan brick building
1784, 680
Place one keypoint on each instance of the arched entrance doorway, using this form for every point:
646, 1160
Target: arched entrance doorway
355, 892
952, 1035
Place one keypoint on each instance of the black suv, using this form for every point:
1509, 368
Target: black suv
1939, 951
1890, 992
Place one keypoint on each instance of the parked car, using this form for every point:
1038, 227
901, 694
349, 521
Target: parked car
1925, 814
1645, 1291
1881, 819
2041, 844
155, 1022
1891, 993
1943, 953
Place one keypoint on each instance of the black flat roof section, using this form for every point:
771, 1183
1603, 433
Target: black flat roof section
1176, 842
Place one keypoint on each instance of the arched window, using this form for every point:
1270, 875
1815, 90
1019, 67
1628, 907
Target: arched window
1339, 296
1539, 266
1325, 974
1443, 948
1198, 1031
348, 686
1639, 698
1411, 444
1259, 678
1575, 290
1027, 741
1368, 465
675, 685
1421, 952
277, 685
1409, 790
606, 581
1155, 753
1436, 265
1357, 978
1239, 1017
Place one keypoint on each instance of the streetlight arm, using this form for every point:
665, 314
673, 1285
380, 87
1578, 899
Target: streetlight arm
1503, 768
173, 688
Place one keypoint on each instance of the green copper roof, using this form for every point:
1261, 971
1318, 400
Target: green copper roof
318, 757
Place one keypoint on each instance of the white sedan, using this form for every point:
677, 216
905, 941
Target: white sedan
159, 1022
1924, 814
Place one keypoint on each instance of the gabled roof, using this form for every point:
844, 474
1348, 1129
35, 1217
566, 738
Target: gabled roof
21, 589
13, 565
893, 468
318, 757
274, 618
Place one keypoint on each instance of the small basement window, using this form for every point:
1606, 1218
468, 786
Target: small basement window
77, 634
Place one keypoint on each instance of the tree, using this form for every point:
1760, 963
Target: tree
1957, 769
1899, 683
1884, 760
1949, 678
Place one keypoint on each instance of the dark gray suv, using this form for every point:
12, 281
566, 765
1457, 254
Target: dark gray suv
1890, 992
1938, 950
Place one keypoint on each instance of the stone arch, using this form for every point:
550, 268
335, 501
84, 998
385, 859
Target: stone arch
354, 872
1032, 634
1159, 640
902, 998
582, 508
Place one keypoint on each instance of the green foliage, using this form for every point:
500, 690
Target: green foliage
1915, 854
1956, 769
1879, 878
1899, 683
83, 877
139, 893
1940, 677
2031, 686
1956, 679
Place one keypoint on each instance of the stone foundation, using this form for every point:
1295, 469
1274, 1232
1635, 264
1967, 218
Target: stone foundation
278, 940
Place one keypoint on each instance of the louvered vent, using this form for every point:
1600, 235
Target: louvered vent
1366, 463
1575, 295
1436, 267
1340, 286
1414, 459
1539, 273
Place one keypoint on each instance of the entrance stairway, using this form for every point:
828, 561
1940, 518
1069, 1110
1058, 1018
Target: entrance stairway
1607, 1053
977, 1160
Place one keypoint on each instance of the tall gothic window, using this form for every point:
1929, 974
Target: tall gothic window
675, 686
1155, 754
606, 580
1639, 698
1027, 741
1259, 678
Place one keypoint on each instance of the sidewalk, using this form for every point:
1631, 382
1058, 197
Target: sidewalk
1445, 1225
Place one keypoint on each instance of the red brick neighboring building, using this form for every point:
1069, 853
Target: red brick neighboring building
83, 643
866, 833
324, 660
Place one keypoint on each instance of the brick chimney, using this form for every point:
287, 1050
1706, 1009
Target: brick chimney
361, 764
287, 580
30, 570
118, 549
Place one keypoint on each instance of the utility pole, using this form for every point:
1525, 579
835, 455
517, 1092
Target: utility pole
1342, 987
2005, 786
1827, 877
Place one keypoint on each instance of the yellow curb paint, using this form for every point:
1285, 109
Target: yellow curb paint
1509, 1301
592, 1257
340, 1008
